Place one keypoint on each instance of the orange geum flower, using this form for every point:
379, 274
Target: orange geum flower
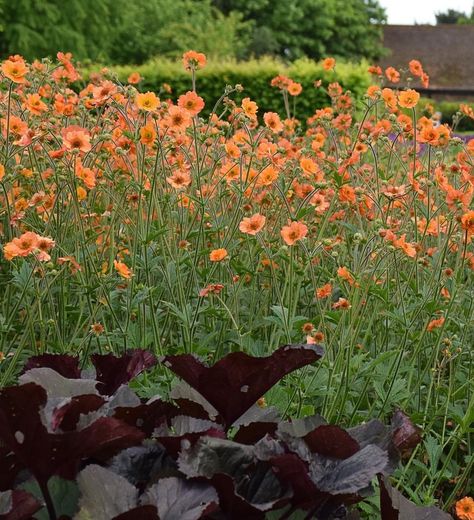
21, 246
134, 78
194, 60
388, 95
272, 120
324, 291
342, 303
35, 105
217, 255
252, 225
465, 508
2, 172
435, 324
294, 232
15, 70
344, 273
178, 119
122, 269
250, 108
294, 88
373, 91
148, 134
408, 98
191, 102
147, 101
76, 138
179, 180
392, 74
329, 63
415, 68
467, 222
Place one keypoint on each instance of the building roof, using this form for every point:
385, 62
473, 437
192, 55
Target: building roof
445, 51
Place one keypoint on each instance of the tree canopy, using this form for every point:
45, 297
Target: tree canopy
121, 31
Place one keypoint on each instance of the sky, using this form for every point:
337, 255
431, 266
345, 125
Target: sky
409, 12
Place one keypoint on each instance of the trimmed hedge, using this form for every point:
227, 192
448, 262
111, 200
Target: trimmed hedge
254, 76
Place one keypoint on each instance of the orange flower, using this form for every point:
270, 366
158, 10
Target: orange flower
134, 78
406, 247
179, 180
178, 118
272, 120
250, 108
15, 70
342, 303
415, 68
435, 324
392, 74
148, 134
217, 255
252, 225
2, 172
122, 269
294, 88
344, 273
408, 98
329, 63
293, 232
191, 102
76, 138
147, 101
373, 91
467, 222
324, 291
388, 95
86, 175
21, 246
35, 105
465, 508
194, 60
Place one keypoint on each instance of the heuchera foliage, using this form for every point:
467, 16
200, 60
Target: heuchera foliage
91, 448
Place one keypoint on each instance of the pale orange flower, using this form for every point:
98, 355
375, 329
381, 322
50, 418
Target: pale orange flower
194, 60
122, 269
35, 105
467, 222
191, 102
294, 88
293, 232
465, 508
76, 138
178, 118
15, 70
217, 255
252, 225
415, 68
408, 98
329, 63
134, 78
250, 108
147, 101
392, 74
148, 134
342, 303
272, 120
324, 291
179, 180
435, 324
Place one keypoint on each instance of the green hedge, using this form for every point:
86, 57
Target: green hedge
254, 76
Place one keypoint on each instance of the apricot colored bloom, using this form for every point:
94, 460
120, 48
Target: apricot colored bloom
293, 232
406, 247
329, 63
388, 95
35, 105
147, 134
76, 138
467, 222
194, 60
272, 120
415, 68
465, 508
2, 172
147, 101
342, 303
15, 70
122, 269
324, 291
435, 324
217, 255
87, 175
191, 102
373, 91
392, 74
179, 180
375, 70
134, 78
344, 273
295, 89
252, 225
250, 108
178, 118
27, 244
408, 98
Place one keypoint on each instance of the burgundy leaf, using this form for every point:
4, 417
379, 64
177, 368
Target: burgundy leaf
64, 364
394, 506
9, 468
252, 433
331, 441
113, 371
142, 513
244, 378
405, 435
66, 417
173, 444
147, 417
23, 506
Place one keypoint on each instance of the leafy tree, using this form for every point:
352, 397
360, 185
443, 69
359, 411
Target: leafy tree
452, 16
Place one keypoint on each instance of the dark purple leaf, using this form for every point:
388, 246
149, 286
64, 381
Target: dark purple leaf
244, 378
22, 505
67, 416
147, 417
113, 371
139, 513
405, 435
331, 441
9, 468
394, 506
176, 498
67, 366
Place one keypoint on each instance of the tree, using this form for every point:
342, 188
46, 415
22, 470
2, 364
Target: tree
452, 16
